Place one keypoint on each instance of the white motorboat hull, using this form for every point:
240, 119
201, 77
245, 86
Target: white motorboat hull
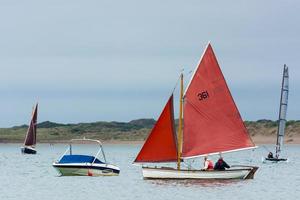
86, 169
243, 172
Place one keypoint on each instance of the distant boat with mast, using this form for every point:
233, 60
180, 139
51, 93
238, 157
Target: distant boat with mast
281, 118
210, 124
30, 138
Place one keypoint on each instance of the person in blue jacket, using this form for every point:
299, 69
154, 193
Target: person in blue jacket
221, 164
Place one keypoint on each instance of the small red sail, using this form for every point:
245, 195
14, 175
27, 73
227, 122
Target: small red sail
161, 145
212, 122
31, 132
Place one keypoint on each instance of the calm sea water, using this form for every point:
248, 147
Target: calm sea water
33, 177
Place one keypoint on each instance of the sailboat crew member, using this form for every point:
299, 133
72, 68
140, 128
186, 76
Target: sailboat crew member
208, 164
221, 164
270, 155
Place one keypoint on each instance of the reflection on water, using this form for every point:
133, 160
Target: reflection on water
194, 182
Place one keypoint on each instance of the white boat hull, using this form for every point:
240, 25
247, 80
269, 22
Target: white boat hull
246, 172
86, 169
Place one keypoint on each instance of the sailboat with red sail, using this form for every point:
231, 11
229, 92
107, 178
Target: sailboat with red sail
209, 123
30, 138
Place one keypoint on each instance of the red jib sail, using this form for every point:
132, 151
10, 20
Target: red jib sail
30, 139
212, 122
161, 145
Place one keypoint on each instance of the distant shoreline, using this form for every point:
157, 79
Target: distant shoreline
67, 141
258, 140
272, 140
135, 132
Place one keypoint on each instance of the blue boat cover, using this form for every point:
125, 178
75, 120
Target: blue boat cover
78, 159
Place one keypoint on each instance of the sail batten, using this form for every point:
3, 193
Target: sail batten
161, 144
212, 122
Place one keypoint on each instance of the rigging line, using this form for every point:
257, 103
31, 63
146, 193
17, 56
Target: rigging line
181, 72
189, 166
266, 148
184, 93
252, 156
178, 79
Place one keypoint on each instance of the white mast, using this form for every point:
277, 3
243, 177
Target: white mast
282, 110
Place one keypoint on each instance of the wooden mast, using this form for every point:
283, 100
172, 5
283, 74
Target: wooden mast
179, 150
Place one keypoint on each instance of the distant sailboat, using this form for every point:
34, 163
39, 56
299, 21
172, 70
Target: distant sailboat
212, 124
282, 117
30, 139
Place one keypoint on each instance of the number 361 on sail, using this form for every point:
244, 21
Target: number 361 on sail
203, 95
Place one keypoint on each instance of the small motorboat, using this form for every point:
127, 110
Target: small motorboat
84, 165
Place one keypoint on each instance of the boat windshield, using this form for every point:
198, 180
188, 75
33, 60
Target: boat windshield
79, 159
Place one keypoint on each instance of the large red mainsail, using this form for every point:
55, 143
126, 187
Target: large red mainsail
161, 145
212, 122
31, 132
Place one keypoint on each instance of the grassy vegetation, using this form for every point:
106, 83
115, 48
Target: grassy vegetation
268, 127
49, 131
132, 131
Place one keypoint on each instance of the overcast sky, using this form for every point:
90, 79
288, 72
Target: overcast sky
95, 60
